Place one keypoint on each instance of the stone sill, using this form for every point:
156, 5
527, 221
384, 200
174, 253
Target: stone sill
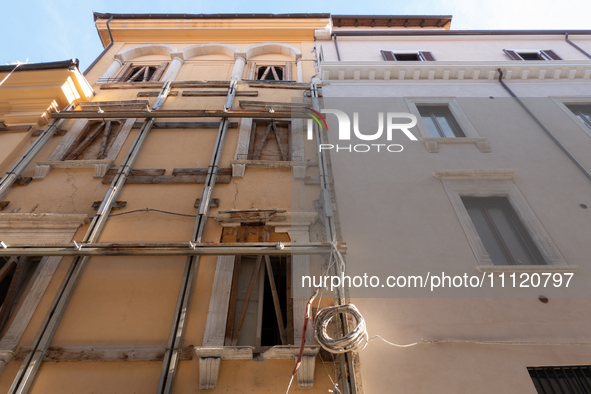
298, 167
432, 144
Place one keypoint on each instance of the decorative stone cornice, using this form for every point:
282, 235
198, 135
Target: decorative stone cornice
495, 174
48, 228
421, 71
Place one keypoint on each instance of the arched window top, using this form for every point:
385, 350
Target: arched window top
272, 47
208, 49
143, 50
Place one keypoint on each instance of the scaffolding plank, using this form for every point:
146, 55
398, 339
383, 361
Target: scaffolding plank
106, 353
139, 171
197, 93
186, 125
155, 93
199, 171
157, 179
178, 113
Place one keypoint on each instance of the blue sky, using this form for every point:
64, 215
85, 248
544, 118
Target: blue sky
45, 30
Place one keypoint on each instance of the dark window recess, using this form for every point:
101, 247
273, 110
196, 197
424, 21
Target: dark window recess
95, 141
440, 122
261, 307
505, 238
131, 74
583, 112
270, 141
408, 57
270, 73
15, 274
546, 54
563, 380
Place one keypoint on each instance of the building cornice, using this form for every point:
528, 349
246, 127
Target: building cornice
539, 70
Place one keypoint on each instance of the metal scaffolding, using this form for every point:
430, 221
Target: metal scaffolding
194, 248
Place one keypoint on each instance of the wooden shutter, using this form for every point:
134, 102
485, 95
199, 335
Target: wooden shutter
550, 54
125, 73
426, 56
138, 72
159, 71
388, 56
84, 140
512, 54
250, 71
287, 72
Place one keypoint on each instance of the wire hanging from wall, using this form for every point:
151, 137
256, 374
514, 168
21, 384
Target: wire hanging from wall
13, 70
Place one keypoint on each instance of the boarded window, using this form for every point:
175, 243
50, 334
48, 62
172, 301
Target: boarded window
15, 274
94, 141
270, 72
270, 140
261, 308
131, 73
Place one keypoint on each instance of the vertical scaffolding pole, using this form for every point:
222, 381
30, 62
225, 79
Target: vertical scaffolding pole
346, 365
28, 370
175, 338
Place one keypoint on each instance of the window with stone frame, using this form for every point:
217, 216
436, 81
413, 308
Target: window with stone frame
502, 233
440, 121
270, 71
132, 73
526, 55
260, 313
15, 274
412, 56
95, 140
582, 112
270, 141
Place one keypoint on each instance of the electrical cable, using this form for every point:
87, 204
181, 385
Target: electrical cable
13, 70
353, 341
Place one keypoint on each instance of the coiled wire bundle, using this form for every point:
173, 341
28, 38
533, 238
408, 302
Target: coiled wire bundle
354, 341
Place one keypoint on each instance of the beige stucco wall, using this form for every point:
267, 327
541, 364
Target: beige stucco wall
397, 219
122, 301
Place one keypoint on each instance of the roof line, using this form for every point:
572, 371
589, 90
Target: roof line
435, 17
99, 15
361, 33
40, 66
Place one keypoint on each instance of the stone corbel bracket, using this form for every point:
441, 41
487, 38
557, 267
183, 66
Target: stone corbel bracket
100, 166
306, 370
210, 359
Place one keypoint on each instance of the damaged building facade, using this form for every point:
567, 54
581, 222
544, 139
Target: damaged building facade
159, 212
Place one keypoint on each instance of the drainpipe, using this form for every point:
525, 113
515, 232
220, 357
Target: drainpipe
579, 166
104, 50
576, 46
336, 45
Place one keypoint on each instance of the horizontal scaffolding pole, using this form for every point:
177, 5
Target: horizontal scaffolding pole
170, 249
179, 113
